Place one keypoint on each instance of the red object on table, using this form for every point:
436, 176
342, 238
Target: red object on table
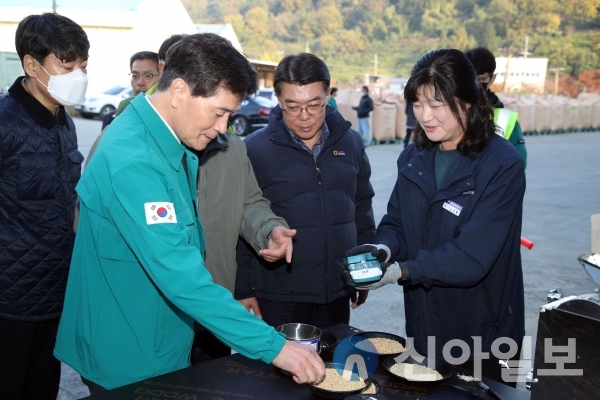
526, 243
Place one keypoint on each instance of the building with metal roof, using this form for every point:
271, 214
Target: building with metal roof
116, 30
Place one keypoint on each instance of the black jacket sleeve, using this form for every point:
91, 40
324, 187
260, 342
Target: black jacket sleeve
365, 222
364, 107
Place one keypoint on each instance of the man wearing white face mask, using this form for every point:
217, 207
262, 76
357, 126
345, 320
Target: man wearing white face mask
68, 89
39, 168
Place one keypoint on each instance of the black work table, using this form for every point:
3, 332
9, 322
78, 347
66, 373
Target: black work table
236, 377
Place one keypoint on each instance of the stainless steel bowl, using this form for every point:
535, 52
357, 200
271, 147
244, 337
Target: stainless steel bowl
302, 333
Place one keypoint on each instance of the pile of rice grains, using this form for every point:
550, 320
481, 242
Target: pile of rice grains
370, 390
415, 372
336, 383
466, 378
382, 345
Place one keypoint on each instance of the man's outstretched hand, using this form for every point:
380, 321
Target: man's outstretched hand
280, 244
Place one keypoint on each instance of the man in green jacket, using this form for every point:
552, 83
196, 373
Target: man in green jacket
137, 279
232, 205
484, 63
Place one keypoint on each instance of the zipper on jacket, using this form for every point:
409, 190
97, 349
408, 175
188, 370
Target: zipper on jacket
324, 232
334, 137
488, 301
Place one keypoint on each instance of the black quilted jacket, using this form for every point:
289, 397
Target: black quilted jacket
39, 168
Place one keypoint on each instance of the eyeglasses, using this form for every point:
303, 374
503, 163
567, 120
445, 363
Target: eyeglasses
313, 109
485, 79
146, 76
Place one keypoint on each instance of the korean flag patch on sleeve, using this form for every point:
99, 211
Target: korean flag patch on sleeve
160, 213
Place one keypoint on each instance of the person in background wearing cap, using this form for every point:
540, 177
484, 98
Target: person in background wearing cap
39, 168
485, 65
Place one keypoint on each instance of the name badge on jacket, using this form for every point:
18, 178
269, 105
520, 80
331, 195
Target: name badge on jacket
452, 207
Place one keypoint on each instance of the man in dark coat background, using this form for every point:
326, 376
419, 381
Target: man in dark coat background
364, 119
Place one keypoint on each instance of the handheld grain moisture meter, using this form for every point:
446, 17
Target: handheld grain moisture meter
364, 268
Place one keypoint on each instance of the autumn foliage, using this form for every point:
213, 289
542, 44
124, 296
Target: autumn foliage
348, 33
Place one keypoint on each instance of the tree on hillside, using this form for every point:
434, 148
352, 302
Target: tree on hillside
590, 80
540, 16
461, 40
257, 24
440, 18
581, 8
565, 31
237, 23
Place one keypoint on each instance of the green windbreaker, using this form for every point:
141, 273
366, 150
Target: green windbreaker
137, 280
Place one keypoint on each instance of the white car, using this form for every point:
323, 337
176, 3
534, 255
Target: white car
267, 93
105, 103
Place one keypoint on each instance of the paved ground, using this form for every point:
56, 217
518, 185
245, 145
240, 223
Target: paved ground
563, 191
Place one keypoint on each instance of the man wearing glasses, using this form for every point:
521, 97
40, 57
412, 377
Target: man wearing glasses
313, 168
144, 71
144, 75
